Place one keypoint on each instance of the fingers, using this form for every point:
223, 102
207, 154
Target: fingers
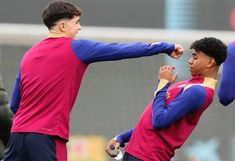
167, 67
179, 49
166, 72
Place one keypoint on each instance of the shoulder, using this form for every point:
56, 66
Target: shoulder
83, 41
194, 87
196, 90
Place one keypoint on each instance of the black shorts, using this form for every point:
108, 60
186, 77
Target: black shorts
35, 147
129, 157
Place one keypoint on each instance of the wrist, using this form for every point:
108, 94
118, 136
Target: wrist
119, 140
169, 48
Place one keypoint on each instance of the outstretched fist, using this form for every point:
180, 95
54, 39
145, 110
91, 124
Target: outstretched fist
178, 52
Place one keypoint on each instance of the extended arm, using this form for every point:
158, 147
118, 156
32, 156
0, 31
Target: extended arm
15, 99
226, 92
187, 101
92, 51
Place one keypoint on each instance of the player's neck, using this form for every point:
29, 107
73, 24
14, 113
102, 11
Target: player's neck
212, 73
56, 33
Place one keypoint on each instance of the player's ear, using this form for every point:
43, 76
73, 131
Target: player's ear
61, 25
211, 62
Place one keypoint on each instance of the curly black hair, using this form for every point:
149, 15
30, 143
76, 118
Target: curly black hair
212, 47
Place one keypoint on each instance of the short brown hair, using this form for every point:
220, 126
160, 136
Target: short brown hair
57, 10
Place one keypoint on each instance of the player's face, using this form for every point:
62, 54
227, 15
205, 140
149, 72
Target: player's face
198, 63
72, 26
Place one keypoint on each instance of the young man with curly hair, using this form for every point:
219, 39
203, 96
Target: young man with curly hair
175, 110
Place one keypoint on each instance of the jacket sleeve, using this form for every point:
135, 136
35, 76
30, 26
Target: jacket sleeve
16, 97
188, 101
124, 137
92, 51
226, 91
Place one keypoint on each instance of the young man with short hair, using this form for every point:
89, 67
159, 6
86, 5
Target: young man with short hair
175, 110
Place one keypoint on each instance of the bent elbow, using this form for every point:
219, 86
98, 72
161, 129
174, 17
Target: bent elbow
225, 102
225, 99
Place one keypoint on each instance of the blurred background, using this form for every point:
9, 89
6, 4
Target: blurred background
114, 94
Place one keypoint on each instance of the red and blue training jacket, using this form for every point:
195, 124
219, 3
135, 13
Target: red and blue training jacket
168, 119
50, 75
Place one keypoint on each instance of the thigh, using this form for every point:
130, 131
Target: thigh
129, 157
44, 147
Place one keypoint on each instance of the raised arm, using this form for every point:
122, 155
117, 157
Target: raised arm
92, 51
226, 91
189, 100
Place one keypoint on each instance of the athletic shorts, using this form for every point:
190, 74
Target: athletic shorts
129, 157
35, 147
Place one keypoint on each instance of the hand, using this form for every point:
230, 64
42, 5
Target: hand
178, 52
166, 72
115, 151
